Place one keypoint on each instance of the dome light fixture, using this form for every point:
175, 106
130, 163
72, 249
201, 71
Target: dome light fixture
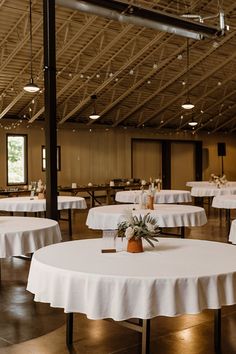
187, 104
94, 115
31, 87
192, 123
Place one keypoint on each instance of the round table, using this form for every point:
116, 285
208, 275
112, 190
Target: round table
21, 235
212, 191
207, 184
198, 184
225, 202
35, 205
167, 280
232, 233
168, 215
164, 196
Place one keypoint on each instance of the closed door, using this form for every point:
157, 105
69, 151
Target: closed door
182, 164
146, 159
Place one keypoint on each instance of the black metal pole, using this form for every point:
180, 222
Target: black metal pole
217, 331
222, 165
69, 329
50, 107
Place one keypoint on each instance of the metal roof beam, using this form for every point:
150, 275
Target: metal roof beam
136, 15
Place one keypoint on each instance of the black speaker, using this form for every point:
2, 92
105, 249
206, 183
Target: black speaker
221, 149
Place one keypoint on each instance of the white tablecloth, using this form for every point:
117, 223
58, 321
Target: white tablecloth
164, 196
207, 184
211, 191
33, 204
224, 202
168, 215
179, 276
21, 235
232, 234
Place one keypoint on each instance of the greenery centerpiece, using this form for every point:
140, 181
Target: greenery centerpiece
135, 228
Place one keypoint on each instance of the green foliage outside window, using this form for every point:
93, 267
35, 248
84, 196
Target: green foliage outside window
16, 159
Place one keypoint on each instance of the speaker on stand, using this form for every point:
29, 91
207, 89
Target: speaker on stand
221, 149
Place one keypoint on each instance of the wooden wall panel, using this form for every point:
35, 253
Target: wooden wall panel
101, 155
182, 164
147, 159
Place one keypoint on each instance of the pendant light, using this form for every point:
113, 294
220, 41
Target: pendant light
192, 122
31, 86
188, 104
94, 115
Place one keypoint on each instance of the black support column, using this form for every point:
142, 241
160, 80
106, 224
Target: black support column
198, 160
166, 164
50, 107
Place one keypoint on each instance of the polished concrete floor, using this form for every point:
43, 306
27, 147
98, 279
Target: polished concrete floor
27, 327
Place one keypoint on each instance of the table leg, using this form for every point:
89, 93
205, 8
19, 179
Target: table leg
92, 203
227, 212
69, 329
108, 198
70, 222
182, 232
145, 336
217, 330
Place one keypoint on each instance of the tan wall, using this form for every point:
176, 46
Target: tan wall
100, 155
182, 164
147, 159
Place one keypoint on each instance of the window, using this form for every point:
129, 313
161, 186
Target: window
58, 158
17, 162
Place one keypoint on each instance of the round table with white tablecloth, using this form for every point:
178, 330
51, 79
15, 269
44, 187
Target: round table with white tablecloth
21, 235
207, 184
167, 280
232, 233
35, 205
212, 191
167, 215
225, 202
164, 196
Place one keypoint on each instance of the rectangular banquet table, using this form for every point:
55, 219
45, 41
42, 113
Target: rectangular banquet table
91, 190
77, 277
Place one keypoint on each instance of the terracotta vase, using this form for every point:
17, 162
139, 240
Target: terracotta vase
150, 202
135, 246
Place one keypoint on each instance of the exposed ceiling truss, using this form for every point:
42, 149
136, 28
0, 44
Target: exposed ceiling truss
138, 74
